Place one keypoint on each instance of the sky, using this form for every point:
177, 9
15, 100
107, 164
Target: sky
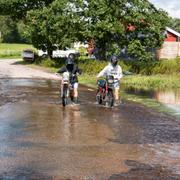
170, 6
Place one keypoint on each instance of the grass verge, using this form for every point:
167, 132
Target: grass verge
152, 82
12, 50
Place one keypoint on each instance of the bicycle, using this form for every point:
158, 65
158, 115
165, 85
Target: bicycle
105, 91
66, 89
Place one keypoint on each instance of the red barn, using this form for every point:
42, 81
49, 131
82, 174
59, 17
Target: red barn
171, 46
171, 35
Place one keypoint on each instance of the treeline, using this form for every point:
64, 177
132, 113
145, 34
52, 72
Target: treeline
135, 26
112, 24
175, 24
12, 31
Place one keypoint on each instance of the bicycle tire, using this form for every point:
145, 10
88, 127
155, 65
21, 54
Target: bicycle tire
64, 96
110, 99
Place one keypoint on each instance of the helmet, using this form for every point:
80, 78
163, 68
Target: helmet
70, 60
114, 60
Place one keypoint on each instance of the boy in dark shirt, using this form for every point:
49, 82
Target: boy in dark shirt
73, 72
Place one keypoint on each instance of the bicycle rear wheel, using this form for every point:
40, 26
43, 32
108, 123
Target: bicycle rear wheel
65, 95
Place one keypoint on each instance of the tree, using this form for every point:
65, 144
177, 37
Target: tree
175, 24
56, 24
11, 31
108, 23
18, 9
118, 23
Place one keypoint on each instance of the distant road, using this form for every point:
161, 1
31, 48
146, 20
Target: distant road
12, 68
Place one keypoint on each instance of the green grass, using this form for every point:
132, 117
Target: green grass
152, 82
13, 50
140, 82
88, 80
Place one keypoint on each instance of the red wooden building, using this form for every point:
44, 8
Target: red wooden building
171, 46
171, 35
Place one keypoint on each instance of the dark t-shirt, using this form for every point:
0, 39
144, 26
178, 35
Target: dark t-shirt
73, 73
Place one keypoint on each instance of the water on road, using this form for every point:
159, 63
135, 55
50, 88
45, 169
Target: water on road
39, 139
170, 98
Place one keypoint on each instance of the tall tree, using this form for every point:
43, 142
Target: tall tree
121, 22
175, 24
19, 8
57, 24
117, 23
11, 31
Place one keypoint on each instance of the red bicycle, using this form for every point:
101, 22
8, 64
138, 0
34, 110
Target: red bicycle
105, 91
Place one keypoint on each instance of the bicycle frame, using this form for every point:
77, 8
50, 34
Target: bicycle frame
105, 94
67, 91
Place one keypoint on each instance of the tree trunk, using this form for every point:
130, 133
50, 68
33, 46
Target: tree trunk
50, 53
50, 50
101, 51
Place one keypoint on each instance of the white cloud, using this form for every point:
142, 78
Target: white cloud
172, 6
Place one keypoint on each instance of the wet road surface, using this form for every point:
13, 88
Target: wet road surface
39, 139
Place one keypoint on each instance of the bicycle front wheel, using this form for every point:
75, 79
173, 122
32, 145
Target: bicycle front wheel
110, 98
65, 95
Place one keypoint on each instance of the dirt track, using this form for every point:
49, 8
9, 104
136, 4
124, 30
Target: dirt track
14, 69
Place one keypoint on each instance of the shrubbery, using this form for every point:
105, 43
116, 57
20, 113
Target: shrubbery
52, 63
167, 67
92, 67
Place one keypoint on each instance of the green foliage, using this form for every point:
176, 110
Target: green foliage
167, 67
175, 24
92, 66
56, 24
17, 9
107, 22
152, 82
83, 51
11, 31
48, 63
143, 60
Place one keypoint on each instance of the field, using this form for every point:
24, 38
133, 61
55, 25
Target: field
12, 50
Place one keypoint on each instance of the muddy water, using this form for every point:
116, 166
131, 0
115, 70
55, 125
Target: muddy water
168, 97
39, 139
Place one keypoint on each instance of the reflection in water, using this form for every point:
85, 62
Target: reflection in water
169, 97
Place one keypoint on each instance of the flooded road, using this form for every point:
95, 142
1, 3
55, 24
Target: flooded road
39, 139
170, 98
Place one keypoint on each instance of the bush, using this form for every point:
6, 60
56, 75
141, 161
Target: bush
92, 66
48, 63
167, 67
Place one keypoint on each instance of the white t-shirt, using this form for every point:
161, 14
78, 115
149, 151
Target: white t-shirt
110, 70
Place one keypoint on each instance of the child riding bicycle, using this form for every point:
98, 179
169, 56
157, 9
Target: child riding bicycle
71, 71
115, 70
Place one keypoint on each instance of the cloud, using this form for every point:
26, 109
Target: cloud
172, 6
